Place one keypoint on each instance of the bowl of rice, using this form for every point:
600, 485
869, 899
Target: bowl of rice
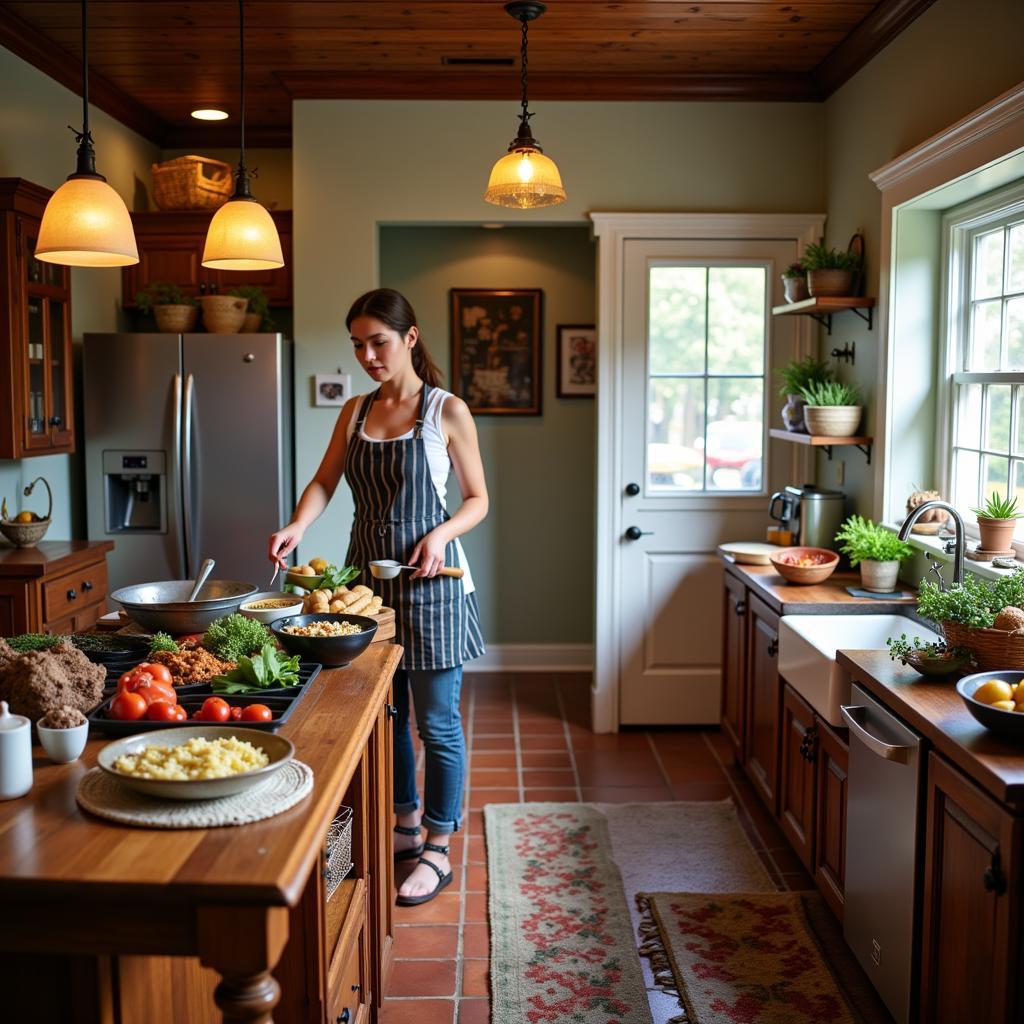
200, 762
332, 639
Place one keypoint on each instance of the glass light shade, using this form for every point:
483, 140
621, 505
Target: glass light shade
86, 224
525, 178
242, 236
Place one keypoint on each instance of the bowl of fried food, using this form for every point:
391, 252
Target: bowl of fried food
333, 639
804, 565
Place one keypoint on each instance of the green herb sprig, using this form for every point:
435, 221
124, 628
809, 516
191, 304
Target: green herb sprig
163, 642
234, 636
864, 541
259, 672
33, 642
335, 577
830, 393
817, 257
901, 649
798, 374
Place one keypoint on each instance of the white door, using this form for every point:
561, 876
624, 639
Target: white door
698, 396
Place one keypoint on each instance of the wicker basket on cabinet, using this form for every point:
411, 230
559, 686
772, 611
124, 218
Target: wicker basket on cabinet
993, 648
191, 183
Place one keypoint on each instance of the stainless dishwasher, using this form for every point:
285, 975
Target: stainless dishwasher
884, 790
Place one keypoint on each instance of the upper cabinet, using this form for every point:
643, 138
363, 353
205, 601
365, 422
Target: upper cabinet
171, 250
36, 414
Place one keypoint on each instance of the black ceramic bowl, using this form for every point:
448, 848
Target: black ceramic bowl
1008, 724
333, 651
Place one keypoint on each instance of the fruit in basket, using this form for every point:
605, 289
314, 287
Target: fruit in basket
1010, 619
992, 691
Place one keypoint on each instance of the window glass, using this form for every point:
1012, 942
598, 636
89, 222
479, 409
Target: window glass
988, 264
985, 336
997, 418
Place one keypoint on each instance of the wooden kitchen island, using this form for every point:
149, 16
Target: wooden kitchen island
106, 923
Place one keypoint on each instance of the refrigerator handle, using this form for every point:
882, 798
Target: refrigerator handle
890, 751
176, 474
186, 475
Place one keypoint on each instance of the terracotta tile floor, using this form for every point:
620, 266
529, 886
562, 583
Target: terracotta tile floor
527, 740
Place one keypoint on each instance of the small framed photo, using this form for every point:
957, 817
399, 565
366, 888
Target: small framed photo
577, 360
496, 349
332, 388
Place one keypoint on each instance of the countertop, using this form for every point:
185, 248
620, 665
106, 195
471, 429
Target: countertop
936, 711
49, 556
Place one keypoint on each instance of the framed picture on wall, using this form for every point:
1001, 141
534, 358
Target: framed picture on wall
496, 349
331, 388
577, 360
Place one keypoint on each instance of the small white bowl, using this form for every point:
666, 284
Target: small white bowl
63, 745
269, 615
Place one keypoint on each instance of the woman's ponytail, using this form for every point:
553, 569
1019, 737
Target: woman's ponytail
392, 308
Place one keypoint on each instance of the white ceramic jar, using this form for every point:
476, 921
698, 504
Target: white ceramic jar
15, 754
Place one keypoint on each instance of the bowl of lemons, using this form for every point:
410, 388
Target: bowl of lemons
996, 699
26, 529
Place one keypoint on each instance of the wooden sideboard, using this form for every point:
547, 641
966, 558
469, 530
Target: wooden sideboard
59, 586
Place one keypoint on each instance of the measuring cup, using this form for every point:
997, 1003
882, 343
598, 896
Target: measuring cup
387, 569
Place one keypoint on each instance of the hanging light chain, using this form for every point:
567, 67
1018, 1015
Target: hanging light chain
241, 77
522, 63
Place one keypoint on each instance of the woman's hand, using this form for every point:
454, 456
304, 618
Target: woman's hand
283, 543
429, 554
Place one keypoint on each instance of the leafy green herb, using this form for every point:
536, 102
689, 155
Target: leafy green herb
830, 393
817, 257
974, 602
34, 642
163, 642
234, 636
901, 649
998, 507
266, 669
335, 577
798, 374
795, 270
866, 541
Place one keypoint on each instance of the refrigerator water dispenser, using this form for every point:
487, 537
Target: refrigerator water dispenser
135, 491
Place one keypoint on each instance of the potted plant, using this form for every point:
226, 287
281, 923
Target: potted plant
938, 659
173, 312
223, 314
997, 521
796, 375
830, 271
258, 316
794, 282
876, 550
832, 410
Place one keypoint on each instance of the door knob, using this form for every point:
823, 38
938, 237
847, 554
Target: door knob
635, 533
632, 490
773, 647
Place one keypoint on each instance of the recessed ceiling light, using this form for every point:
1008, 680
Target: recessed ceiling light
492, 226
210, 115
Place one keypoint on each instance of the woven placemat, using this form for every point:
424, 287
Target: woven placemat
102, 795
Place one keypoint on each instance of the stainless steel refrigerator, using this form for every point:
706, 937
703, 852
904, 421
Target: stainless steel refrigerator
188, 452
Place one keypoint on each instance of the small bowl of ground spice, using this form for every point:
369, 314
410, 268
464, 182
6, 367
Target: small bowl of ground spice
270, 606
63, 732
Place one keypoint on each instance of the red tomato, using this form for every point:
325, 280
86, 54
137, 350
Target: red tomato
257, 713
145, 685
127, 677
214, 709
180, 714
128, 707
161, 673
236, 713
162, 711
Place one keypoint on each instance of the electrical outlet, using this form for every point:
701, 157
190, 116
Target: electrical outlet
840, 472
876, 953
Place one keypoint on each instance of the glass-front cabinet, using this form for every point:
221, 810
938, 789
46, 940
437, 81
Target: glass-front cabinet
35, 380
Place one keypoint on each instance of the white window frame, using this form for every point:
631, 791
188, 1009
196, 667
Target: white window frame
960, 226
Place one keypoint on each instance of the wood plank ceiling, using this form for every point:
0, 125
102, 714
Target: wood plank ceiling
152, 62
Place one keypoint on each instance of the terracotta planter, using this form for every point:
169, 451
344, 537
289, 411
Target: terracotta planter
174, 319
879, 577
795, 288
829, 282
223, 314
793, 414
251, 323
996, 534
832, 420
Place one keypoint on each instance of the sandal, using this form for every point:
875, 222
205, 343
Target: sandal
443, 879
413, 851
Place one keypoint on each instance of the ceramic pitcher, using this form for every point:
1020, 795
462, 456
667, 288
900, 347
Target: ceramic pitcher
15, 754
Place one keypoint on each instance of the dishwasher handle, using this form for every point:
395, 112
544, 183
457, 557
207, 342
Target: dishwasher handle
890, 751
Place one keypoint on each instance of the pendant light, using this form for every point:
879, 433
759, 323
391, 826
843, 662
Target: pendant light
525, 178
242, 234
85, 223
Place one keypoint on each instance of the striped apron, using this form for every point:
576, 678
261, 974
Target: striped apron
396, 505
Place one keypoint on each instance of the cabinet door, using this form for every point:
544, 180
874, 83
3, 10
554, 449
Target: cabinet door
763, 701
830, 818
971, 945
173, 258
380, 883
797, 778
734, 643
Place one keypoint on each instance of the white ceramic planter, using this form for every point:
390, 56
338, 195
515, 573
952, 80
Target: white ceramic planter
832, 420
879, 577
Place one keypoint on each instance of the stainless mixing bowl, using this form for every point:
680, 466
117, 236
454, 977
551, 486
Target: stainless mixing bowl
165, 605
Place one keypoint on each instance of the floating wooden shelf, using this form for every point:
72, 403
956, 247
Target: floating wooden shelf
826, 442
822, 308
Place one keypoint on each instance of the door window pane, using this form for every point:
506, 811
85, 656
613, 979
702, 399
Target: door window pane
988, 264
734, 436
736, 319
57, 396
36, 367
675, 434
677, 313
997, 418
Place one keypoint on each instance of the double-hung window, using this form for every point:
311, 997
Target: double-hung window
983, 364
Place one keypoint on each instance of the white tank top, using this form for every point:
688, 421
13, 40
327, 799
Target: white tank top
438, 460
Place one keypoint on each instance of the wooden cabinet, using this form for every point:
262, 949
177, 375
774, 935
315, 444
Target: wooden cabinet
797, 783
973, 900
734, 646
171, 250
55, 587
36, 412
833, 754
763, 701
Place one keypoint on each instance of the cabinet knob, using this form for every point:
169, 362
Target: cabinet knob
87, 585
993, 879
202, 287
773, 647
632, 490
391, 710
72, 594
56, 421
741, 608
343, 1017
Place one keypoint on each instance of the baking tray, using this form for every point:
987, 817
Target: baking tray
308, 671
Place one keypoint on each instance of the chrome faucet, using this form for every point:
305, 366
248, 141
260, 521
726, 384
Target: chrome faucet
958, 549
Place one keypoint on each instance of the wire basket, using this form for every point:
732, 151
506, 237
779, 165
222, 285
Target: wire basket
338, 850
191, 183
993, 648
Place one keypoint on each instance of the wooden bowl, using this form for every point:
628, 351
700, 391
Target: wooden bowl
785, 564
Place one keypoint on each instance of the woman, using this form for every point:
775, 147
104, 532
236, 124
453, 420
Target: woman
396, 447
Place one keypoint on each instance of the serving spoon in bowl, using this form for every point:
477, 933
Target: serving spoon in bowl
388, 569
204, 571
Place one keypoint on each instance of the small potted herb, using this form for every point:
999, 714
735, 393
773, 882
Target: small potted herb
935, 659
794, 282
796, 375
174, 312
876, 550
832, 410
997, 520
830, 271
257, 318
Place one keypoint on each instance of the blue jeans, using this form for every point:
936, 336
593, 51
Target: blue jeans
435, 694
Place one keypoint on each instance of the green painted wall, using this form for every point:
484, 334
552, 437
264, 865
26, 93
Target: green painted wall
540, 469
35, 144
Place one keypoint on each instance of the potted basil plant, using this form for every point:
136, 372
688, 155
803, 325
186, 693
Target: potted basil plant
796, 375
830, 271
997, 521
172, 311
794, 282
832, 410
876, 550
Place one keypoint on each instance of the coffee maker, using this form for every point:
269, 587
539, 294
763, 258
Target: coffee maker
812, 515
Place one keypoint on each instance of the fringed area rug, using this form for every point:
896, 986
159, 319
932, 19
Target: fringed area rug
755, 958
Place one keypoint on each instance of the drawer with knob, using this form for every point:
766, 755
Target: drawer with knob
346, 999
68, 594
